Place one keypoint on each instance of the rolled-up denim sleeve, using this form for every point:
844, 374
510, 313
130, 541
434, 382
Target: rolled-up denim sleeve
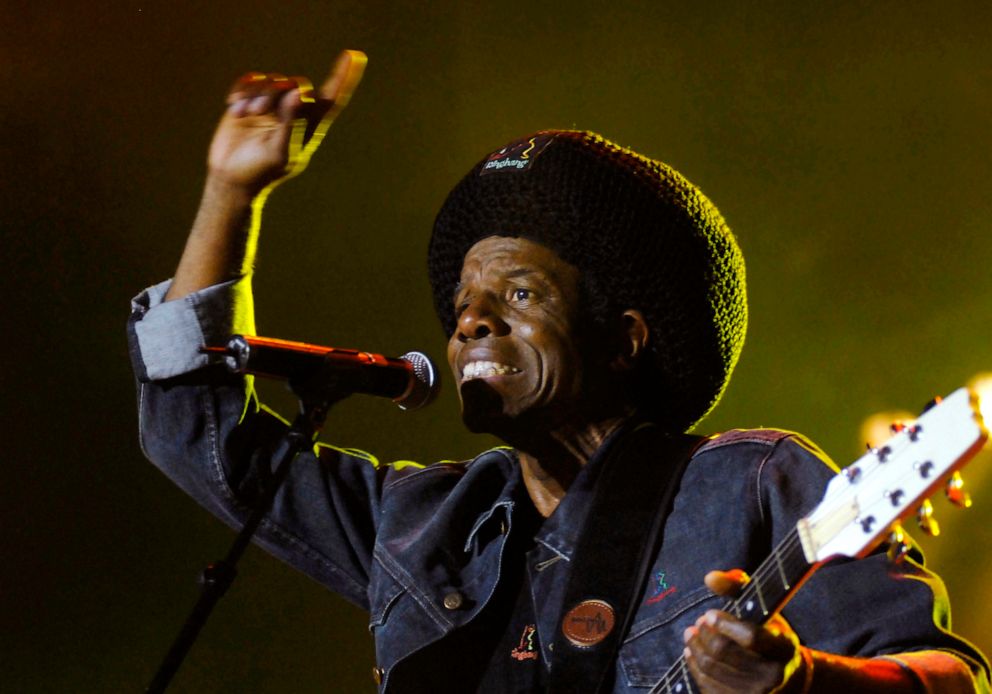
205, 429
167, 337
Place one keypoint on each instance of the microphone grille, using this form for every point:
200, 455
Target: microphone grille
426, 382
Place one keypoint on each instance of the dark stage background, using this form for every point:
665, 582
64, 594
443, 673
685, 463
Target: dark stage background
849, 148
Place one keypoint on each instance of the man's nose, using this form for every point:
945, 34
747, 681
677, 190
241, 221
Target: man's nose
481, 318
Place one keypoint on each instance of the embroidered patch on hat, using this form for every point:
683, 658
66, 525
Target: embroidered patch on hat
526, 649
516, 156
660, 590
588, 623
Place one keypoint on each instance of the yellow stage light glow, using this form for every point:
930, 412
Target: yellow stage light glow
982, 385
877, 428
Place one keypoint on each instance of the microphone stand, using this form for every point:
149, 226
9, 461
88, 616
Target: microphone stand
316, 396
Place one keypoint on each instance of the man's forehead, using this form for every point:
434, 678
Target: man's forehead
512, 257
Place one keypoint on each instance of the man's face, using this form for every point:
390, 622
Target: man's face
516, 350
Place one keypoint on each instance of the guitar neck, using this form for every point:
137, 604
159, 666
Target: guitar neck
773, 583
859, 507
771, 586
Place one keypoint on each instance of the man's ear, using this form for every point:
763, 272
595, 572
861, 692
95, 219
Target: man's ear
634, 336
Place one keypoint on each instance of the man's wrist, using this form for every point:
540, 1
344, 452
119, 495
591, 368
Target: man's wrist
798, 677
826, 672
221, 190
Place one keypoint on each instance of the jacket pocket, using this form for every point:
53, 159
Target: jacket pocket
384, 595
655, 639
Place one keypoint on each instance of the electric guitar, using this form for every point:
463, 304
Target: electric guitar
863, 505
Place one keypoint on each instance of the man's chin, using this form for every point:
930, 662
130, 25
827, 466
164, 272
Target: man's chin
484, 411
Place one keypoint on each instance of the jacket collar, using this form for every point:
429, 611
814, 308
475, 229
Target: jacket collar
560, 532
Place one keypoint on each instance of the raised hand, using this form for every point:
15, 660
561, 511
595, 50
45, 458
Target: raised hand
271, 127
273, 124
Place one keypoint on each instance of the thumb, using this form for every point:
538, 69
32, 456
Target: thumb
344, 78
333, 95
726, 583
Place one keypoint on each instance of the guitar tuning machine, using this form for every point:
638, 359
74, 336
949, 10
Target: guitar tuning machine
912, 429
895, 496
898, 546
956, 493
882, 454
867, 523
932, 404
925, 519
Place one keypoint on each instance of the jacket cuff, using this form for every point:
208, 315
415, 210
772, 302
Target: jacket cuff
166, 337
938, 671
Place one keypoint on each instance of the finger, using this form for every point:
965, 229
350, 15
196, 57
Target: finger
333, 95
238, 107
344, 78
713, 674
246, 86
775, 640
257, 105
254, 84
241, 84
265, 95
728, 583
723, 624
714, 657
296, 102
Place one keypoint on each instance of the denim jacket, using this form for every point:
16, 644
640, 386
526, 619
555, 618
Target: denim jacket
420, 548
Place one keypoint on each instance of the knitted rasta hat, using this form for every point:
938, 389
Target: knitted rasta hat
639, 233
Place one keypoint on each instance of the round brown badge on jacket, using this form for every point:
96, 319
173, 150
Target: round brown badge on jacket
588, 623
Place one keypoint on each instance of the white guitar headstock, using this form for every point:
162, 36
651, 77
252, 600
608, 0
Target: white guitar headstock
890, 481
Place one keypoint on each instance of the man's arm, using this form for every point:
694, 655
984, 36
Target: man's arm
204, 427
271, 127
725, 654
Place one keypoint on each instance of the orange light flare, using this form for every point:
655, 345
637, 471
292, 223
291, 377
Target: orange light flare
879, 427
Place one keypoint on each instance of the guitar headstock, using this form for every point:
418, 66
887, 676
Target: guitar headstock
895, 479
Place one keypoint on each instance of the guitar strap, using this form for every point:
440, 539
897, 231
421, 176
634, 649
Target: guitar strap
639, 479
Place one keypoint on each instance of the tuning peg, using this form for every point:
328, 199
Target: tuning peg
932, 404
956, 493
925, 519
882, 453
898, 547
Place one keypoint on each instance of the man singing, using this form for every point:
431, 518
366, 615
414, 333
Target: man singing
595, 305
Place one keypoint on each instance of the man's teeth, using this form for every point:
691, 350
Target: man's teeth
482, 369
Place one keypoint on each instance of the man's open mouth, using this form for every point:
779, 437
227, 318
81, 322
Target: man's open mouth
483, 369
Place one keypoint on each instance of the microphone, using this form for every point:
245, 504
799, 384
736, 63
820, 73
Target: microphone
411, 381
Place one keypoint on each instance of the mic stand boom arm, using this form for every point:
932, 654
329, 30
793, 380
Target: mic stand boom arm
316, 397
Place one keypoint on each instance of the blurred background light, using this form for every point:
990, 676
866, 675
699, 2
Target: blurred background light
982, 385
